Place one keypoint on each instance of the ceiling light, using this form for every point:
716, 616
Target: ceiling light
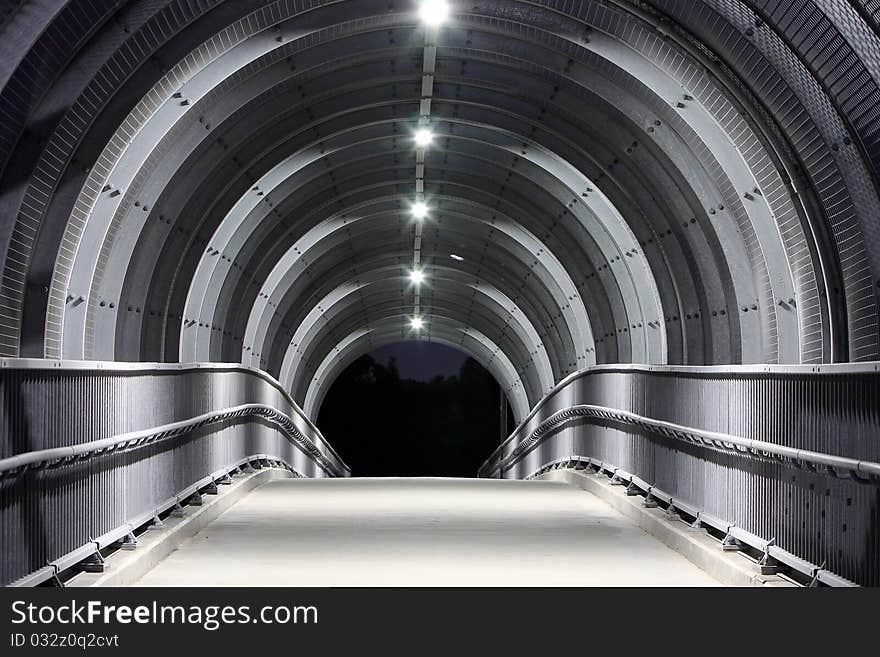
417, 276
416, 323
456, 257
419, 210
434, 12
423, 137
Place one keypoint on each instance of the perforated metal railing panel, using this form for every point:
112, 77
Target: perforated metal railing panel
793, 457
128, 441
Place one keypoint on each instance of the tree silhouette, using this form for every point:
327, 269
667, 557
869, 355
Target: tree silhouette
383, 425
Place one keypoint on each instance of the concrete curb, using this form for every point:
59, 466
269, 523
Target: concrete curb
124, 568
698, 547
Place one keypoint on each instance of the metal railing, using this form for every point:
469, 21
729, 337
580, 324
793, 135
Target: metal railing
90, 451
787, 454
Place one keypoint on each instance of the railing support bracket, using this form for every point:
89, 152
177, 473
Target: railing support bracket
128, 542
94, 563
814, 582
767, 564
731, 544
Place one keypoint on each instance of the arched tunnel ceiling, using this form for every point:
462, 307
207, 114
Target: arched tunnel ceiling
662, 181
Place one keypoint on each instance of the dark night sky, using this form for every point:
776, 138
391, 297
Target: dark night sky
420, 360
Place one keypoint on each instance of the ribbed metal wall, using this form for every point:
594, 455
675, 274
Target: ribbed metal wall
827, 516
49, 511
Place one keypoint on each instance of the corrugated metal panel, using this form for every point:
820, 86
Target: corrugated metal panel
826, 516
47, 512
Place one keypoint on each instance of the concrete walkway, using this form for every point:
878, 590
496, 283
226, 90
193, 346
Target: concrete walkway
422, 532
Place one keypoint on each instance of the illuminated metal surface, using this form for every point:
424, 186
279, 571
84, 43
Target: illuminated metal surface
663, 182
782, 452
201, 139
143, 438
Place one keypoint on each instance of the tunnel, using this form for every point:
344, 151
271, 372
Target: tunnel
655, 223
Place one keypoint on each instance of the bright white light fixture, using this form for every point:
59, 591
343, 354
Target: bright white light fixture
419, 210
416, 323
423, 137
456, 257
434, 12
417, 276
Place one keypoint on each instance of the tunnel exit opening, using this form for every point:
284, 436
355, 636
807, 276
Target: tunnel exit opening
415, 409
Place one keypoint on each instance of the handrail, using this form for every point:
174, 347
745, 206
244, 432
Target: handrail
135, 433
784, 451
728, 371
681, 432
147, 367
198, 422
57, 455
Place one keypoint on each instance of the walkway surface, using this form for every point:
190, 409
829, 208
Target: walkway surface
422, 532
